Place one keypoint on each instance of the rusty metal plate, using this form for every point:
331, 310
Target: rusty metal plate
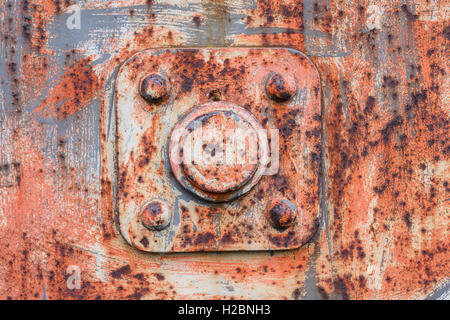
218, 149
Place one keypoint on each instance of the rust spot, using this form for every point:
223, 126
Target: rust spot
160, 277
118, 273
144, 241
197, 21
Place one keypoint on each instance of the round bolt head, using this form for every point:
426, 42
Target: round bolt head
155, 215
281, 214
227, 157
281, 87
155, 88
218, 151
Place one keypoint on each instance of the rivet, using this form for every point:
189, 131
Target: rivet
155, 215
281, 87
155, 88
281, 214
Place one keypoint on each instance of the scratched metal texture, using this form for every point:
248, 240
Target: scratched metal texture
385, 156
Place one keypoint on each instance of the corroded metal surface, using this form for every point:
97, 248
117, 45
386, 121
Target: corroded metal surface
218, 151
385, 174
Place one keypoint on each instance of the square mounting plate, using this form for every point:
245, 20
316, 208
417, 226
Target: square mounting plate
196, 76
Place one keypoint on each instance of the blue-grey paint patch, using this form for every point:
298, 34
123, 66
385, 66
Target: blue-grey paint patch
442, 293
103, 58
44, 293
99, 26
335, 46
218, 27
75, 143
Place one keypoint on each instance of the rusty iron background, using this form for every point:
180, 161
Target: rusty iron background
384, 163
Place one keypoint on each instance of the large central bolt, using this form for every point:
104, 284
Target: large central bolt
217, 149
220, 151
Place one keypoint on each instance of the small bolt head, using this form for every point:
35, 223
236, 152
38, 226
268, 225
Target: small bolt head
155, 88
281, 87
281, 214
155, 215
